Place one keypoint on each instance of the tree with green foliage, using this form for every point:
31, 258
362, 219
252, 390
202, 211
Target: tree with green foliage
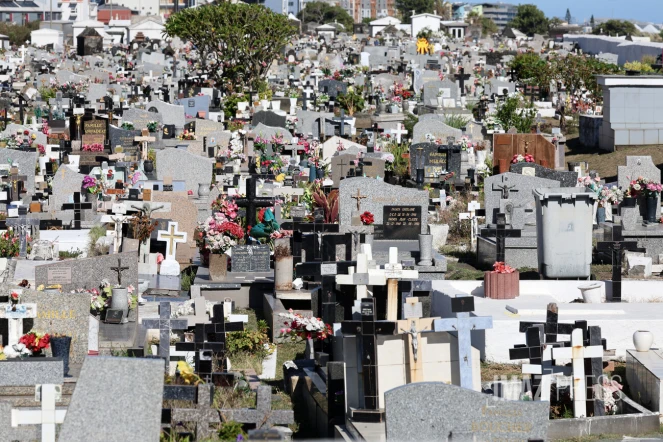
18, 34
418, 6
615, 27
367, 20
512, 113
555, 22
568, 17
488, 26
321, 12
234, 43
530, 20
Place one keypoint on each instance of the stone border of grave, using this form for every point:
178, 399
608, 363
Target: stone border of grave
638, 421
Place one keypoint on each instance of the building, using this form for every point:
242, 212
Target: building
460, 11
20, 12
419, 22
141, 7
327, 31
381, 23
500, 13
42, 37
455, 29
106, 13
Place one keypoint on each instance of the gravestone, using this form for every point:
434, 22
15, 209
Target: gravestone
170, 113
250, 258
565, 178
401, 222
436, 129
519, 188
333, 88
123, 141
460, 414
269, 118
116, 385
140, 118
379, 194
436, 160
184, 212
182, 165
87, 273
65, 183
639, 166
447, 88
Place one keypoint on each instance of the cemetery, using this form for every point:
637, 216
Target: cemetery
406, 230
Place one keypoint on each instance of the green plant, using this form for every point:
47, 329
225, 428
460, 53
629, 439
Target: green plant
457, 121
65, 254
94, 234
252, 341
400, 164
352, 101
47, 93
510, 114
328, 202
231, 431
235, 126
323, 12
152, 156
648, 59
638, 66
186, 279
230, 104
410, 121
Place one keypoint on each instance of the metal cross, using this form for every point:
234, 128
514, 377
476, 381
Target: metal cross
119, 269
358, 197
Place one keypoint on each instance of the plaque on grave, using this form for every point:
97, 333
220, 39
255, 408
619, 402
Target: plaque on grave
168, 131
250, 258
114, 316
401, 222
58, 275
95, 127
328, 269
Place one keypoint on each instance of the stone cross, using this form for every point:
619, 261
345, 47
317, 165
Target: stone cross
15, 318
22, 224
398, 132
358, 198
118, 269
463, 324
46, 416
262, 416
577, 353
165, 325
144, 139
393, 271
202, 416
362, 276
172, 237
501, 233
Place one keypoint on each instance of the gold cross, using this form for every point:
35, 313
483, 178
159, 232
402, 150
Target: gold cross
171, 239
358, 197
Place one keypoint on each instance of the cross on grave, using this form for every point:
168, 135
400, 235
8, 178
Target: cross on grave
539, 121
398, 132
16, 183
262, 416
77, 207
413, 327
376, 131
21, 225
307, 95
164, 324
46, 416
594, 366
501, 233
251, 203
363, 277
472, 208
462, 77
117, 230
615, 248
118, 269
171, 237
367, 329
202, 416
577, 353
551, 328
15, 316
358, 198
342, 119
342, 165
393, 271
504, 188
144, 139
463, 325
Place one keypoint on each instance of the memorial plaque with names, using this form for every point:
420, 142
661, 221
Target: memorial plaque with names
328, 269
95, 127
401, 222
59, 275
92, 139
250, 259
114, 316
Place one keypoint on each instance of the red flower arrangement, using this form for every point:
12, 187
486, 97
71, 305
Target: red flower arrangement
26, 132
232, 229
367, 218
94, 147
527, 158
501, 267
35, 342
14, 298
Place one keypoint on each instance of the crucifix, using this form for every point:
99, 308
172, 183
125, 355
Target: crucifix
577, 353
504, 188
77, 207
358, 198
47, 416
22, 224
164, 324
16, 184
117, 230
15, 314
251, 203
202, 416
144, 139
501, 233
362, 277
615, 248
413, 325
463, 324
118, 269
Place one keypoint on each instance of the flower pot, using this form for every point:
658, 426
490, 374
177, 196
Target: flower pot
218, 266
592, 293
629, 202
652, 202
411, 105
283, 273
203, 190
382, 107
264, 104
148, 166
276, 105
481, 157
501, 285
120, 301
309, 352
600, 215
90, 197
312, 173
237, 167
60, 348
642, 340
293, 102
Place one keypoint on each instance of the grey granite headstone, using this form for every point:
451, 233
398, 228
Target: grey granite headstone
436, 129
269, 118
206, 127
26, 165
442, 412
117, 386
447, 88
565, 178
170, 113
333, 88
140, 117
122, 140
182, 165
65, 183
31, 371
520, 194
268, 131
378, 194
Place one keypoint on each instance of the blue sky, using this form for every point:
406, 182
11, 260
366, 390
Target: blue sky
644, 10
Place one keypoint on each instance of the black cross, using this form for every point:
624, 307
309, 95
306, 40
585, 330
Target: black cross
251, 203
367, 331
164, 324
119, 269
532, 350
615, 248
551, 327
593, 375
376, 131
77, 207
16, 184
461, 76
342, 119
501, 233
342, 165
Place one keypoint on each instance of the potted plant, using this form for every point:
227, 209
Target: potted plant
152, 126
503, 282
127, 125
14, 300
310, 328
60, 347
35, 342
283, 268
367, 218
650, 190
91, 187
220, 232
148, 164
293, 94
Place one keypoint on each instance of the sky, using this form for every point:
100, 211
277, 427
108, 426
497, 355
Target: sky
581, 10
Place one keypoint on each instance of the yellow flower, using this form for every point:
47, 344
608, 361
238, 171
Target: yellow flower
280, 177
186, 371
33, 136
40, 288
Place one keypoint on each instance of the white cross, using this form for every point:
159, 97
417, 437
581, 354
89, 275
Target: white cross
171, 236
393, 271
144, 139
47, 415
400, 130
15, 318
577, 353
362, 277
547, 370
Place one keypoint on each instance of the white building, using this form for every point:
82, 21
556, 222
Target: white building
423, 21
455, 29
327, 31
381, 23
151, 28
43, 37
143, 7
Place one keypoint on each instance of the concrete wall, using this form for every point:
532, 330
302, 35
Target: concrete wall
626, 51
590, 127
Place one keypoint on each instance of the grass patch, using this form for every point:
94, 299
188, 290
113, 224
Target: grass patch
187, 277
491, 370
457, 271
67, 254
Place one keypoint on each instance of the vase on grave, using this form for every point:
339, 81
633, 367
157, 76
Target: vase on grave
237, 166
60, 347
382, 107
120, 301
203, 190
283, 267
264, 104
309, 352
643, 340
425, 250
276, 105
481, 157
312, 173
148, 166
411, 104
592, 293
501, 285
600, 215
218, 266
420, 176
293, 102
652, 202
629, 201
